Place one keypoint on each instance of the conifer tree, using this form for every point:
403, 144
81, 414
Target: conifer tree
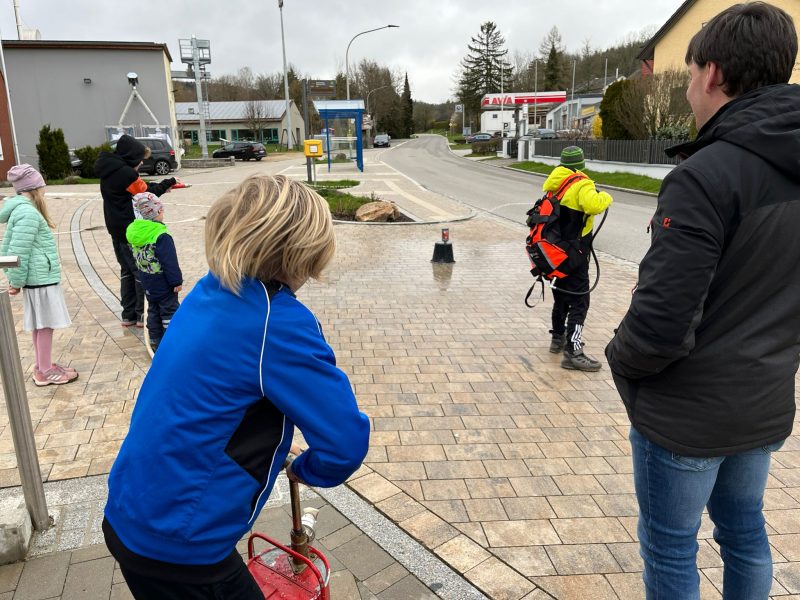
484, 68
407, 103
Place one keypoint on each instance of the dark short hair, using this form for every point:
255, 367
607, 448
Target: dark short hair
753, 44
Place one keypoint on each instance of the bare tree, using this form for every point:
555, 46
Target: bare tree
255, 117
656, 106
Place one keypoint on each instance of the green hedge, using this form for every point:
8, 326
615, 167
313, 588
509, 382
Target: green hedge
89, 154
487, 147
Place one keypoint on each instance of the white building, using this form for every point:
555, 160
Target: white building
229, 121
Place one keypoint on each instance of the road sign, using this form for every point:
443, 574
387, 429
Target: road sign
322, 88
459, 108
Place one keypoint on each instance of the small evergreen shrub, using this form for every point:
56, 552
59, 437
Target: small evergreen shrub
53, 154
89, 154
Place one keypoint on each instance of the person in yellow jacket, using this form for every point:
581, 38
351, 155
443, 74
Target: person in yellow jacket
580, 203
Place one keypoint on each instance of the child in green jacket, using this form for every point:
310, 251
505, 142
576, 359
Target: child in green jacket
29, 236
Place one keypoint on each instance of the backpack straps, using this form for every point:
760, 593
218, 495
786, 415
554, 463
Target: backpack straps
565, 185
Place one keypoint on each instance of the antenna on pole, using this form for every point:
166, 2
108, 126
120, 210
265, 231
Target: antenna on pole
197, 53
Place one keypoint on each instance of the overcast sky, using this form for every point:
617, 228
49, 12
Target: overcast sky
429, 44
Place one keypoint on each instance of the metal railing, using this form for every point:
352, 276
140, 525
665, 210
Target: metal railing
19, 414
627, 151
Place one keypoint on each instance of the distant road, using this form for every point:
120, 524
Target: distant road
508, 194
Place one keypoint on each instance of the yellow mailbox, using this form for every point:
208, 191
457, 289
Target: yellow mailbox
313, 148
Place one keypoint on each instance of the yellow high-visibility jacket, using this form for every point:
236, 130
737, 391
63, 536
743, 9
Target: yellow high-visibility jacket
581, 196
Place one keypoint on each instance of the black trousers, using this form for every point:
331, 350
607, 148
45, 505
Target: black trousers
569, 310
130, 288
239, 586
159, 314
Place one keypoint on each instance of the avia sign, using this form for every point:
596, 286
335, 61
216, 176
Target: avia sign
520, 98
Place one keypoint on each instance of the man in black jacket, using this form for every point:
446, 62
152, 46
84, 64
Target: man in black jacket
119, 181
705, 358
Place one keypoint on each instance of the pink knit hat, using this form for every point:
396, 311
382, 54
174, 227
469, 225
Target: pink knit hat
25, 178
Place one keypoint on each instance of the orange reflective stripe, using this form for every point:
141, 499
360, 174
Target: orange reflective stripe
137, 187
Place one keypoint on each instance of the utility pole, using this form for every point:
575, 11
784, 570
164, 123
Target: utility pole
572, 100
198, 85
536, 92
19, 20
502, 102
286, 82
605, 77
305, 126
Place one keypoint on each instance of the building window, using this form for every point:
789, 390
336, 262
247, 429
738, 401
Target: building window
212, 135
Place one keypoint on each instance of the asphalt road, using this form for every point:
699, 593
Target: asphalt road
509, 195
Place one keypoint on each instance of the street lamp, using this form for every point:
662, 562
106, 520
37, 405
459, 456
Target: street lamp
286, 83
347, 52
372, 92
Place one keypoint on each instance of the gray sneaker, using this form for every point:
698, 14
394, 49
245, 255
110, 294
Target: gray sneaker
557, 343
580, 362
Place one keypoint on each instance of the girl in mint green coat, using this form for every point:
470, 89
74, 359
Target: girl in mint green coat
29, 236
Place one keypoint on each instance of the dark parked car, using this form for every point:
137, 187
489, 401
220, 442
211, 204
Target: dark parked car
161, 161
382, 140
241, 150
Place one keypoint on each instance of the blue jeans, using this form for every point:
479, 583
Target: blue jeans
672, 491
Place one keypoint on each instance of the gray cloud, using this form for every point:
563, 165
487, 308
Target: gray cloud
431, 41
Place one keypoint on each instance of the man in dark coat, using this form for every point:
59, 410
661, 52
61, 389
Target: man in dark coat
119, 181
706, 357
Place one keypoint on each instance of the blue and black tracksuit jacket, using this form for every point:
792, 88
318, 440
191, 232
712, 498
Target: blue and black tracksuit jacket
213, 424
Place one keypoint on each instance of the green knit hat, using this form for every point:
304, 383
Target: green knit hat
572, 158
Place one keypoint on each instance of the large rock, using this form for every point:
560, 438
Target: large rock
377, 211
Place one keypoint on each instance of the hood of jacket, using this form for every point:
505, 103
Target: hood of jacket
765, 122
130, 150
142, 232
9, 205
557, 177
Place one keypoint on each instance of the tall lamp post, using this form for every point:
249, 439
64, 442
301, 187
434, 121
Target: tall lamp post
347, 52
286, 82
370, 94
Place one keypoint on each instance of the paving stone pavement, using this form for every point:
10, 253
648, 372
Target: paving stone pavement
513, 471
360, 570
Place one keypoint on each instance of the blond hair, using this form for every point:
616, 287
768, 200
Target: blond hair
269, 228
37, 199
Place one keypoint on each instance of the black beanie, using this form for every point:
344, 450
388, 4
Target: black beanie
130, 150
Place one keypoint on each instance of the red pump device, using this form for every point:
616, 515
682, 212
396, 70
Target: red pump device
296, 572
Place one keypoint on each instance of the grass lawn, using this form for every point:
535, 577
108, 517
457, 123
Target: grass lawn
82, 181
335, 183
343, 205
195, 151
324, 161
623, 180
460, 146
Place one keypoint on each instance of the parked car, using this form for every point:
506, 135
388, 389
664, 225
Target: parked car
75, 162
242, 151
478, 137
162, 157
543, 134
382, 140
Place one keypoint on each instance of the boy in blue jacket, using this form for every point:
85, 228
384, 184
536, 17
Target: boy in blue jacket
243, 364
157, 261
